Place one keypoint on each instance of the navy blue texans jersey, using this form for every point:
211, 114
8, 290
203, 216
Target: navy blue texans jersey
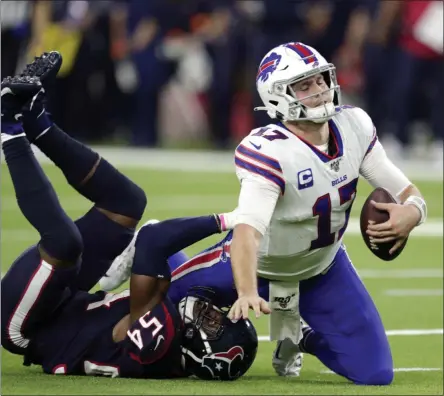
79, 339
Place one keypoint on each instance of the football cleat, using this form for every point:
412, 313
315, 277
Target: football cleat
287, 359
36, 120
120, 269
45, 66
15, 93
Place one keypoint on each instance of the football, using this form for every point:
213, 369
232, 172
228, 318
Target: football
370, 213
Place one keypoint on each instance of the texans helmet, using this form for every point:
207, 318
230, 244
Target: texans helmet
215, 348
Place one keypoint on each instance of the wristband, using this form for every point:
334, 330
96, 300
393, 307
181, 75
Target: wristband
420, 204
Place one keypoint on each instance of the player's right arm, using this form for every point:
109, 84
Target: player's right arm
379, 171
262, 183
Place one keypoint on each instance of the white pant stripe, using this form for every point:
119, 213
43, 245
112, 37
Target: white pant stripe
29, 297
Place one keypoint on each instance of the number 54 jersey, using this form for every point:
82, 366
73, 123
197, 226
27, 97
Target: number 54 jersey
317, 190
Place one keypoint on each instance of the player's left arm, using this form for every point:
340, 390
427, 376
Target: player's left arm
155, 243
410, 209
150, 273
146, 293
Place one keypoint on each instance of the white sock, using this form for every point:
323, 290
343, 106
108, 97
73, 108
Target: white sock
5, 137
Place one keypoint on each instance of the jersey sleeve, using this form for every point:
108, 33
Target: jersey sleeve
151, 336
256, 160
368, 136
376, 167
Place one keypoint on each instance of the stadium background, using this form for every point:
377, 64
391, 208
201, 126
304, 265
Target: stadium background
165, 89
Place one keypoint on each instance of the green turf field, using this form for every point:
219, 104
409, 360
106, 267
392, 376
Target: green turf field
408, 292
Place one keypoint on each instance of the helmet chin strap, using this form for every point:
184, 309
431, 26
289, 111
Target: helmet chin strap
321, 113
318, 115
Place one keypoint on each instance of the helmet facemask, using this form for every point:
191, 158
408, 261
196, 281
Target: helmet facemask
296, 110
200, 315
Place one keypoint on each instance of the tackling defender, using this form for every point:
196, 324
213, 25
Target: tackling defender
48, 315
298, 179
298, 182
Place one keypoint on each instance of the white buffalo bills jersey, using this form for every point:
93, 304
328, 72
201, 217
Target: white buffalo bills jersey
317, 191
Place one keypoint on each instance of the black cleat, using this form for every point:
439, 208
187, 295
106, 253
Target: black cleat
45, 67
16, 92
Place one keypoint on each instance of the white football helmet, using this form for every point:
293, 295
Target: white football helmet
285, 65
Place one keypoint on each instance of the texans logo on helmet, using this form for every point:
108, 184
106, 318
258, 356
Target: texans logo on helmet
268, 66
219, 363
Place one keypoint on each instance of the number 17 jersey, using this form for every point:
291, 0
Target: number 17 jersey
317, 191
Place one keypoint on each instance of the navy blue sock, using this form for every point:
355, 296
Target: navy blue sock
157, 242
311, 341
111, 190
107, 187
73, 158
38, 202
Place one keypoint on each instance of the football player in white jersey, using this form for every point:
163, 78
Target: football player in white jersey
298, 180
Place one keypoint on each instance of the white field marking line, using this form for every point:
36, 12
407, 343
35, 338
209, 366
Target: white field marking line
156, 202
399, 370
433, 228
213, 161
416, 273
413, 292
390, 333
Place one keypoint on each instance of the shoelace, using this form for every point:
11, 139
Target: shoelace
39, 66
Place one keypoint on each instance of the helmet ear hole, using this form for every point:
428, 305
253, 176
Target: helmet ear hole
290, 92
273, 102
279, 116
335, 99
327, 78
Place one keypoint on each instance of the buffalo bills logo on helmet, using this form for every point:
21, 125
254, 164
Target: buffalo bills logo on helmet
268, 66
220, 364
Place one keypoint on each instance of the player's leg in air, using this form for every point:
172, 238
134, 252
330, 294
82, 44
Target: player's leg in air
46, 274
346, 332
119, 203
38, 279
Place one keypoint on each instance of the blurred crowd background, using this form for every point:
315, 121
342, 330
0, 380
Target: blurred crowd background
160, 73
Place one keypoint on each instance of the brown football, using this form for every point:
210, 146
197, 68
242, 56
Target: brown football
370, 213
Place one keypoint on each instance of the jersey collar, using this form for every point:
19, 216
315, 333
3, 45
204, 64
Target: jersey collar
334, 134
